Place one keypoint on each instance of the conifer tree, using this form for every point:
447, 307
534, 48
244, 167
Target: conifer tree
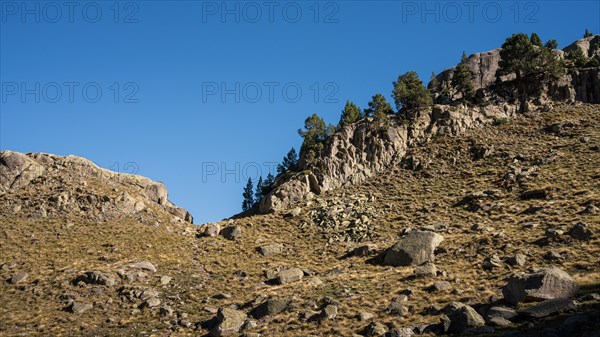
248, 196
350, 115
259, 190
462, 79
410, 93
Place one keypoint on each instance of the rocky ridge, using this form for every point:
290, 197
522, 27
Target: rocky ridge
362, 150
68, 185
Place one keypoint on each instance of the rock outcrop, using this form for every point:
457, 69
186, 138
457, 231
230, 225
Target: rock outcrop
74, 183
362, 150
546, 284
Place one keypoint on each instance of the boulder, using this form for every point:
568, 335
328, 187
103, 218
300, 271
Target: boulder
270, 307
549, 307
545, 284
18, 277
80, 307
517, 260
142, 265
581, 231
290, 275
426, 270
270, 249
328, 313
232, 233
416, 248
212, 230
229, 322
375, 329
464, 318
96, 277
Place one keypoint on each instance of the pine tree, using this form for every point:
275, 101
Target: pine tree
535, 40
379, 108
551, 44
268, 184
289, 163
314, 133
578, 57
587, 33
259, 190
248, 196
530, 65
410, 93
350, 115
462, 79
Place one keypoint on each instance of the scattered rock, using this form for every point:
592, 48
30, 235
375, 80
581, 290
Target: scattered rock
375, 329
151, 302
503, 312
80, 307
492, 262
328, 313
270, 249
581, 231
416, 248
212, 230
364, 250
545, 284
270, 307
290, 275
426, 270
166, 311
232, 233
517, 260
164, 280
549, 307
96, 277
229, 322
464, 318
18, 277
365, 316
499, 321
534, 194
143, 265
439, 286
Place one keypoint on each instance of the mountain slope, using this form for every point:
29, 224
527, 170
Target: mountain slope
515, 187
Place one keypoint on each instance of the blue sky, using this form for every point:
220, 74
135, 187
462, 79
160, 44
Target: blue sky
201, 95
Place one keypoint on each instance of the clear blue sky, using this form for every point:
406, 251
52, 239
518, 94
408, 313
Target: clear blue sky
171, 61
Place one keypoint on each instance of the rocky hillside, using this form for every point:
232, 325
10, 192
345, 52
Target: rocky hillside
360, 151
490, 231
48, 185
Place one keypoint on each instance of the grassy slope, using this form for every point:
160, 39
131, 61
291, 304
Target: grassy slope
54, 254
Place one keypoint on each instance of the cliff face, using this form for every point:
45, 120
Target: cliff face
69, 185
363, 150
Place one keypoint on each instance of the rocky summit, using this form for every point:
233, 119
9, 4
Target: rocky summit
469, 219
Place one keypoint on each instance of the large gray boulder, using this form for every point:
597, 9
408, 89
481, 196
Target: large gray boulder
549, 307
464, 318
414, 249
272, 306
290, 275
546, 284
230, 321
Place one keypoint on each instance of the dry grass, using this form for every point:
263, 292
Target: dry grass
54, 254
